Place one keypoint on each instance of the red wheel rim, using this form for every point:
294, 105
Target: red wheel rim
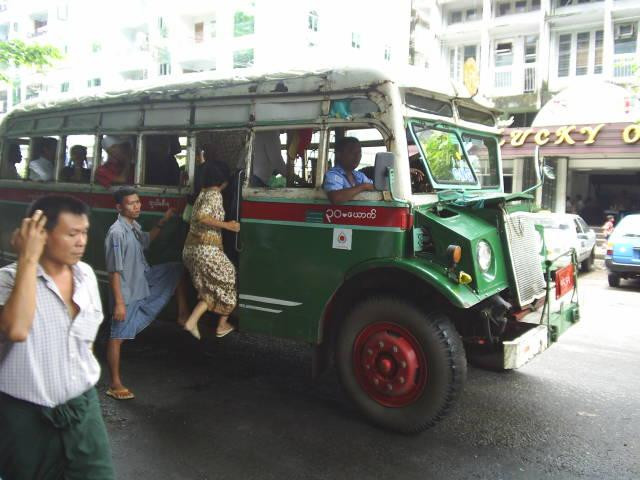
389, 364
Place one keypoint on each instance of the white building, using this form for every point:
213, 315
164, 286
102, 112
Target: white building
528, 51
107, 44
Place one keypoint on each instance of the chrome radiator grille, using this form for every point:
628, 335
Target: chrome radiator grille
526, 264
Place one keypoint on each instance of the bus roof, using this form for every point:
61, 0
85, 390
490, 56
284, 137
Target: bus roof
215, 85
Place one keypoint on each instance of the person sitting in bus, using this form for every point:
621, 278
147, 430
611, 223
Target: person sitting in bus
267, 158
212, 273
78, 171
342, 182
41, 169
10, 170
118, 168
161, 165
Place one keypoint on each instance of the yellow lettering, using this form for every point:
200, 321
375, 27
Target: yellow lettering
591, 133
542, 137
563, 134
631, 134
515, 137
518, 142
502, 140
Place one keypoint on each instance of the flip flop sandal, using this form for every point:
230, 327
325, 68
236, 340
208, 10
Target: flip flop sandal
225, 332
124, 394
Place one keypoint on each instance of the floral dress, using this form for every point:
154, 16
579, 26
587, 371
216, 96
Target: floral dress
212, 273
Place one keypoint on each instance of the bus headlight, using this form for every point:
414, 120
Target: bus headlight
483, 252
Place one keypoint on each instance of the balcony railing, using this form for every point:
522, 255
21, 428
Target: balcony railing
529, 78
625, 65
502, 79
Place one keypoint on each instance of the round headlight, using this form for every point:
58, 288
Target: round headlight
484, 255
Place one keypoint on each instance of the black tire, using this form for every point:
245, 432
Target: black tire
436, 339
587, 263
614, 280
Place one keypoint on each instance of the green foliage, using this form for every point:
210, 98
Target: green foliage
16, 53
442, 151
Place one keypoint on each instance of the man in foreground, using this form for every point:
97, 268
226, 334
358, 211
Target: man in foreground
50, 312
138, 291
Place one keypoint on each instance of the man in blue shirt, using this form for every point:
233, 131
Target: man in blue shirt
342, 182
138, 291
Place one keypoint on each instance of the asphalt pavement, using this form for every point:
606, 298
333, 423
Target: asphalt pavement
245, 407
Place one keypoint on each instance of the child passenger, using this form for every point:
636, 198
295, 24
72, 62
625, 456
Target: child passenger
212, 273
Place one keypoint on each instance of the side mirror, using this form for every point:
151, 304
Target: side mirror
384, 161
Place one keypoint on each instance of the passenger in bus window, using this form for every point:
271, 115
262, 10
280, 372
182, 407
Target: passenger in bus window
161, 165
79, 170
9, 167
267, 158
342, 182
118, 168
41, 168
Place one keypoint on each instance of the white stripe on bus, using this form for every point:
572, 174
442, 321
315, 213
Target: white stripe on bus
262, 309
274, 301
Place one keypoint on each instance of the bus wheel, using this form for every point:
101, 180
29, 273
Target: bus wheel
402, 367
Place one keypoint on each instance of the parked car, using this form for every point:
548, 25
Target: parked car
563, 231
623, 250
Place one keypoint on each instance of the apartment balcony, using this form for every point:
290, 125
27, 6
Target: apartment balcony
625, 66
576, 13
513, 81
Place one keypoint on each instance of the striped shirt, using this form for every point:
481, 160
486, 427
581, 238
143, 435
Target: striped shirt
55, 363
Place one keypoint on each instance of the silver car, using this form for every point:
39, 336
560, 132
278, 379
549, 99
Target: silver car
563, 231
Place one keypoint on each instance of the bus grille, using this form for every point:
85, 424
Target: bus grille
526, 263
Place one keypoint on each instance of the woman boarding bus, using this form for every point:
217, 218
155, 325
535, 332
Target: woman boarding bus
396, 283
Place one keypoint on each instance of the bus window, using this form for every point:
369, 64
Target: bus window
118, 158
483, 155
165, 159
14, 159
284, 158
78, 158
371, 141
43, 159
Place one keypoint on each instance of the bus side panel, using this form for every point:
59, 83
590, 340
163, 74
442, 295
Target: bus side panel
289, 270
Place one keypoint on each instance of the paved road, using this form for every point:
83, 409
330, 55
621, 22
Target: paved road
245, 407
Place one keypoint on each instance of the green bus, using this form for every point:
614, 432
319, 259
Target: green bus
399, 287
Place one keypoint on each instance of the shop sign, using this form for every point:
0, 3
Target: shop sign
567, 135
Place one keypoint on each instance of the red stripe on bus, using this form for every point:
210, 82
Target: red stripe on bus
370, 216
153, 203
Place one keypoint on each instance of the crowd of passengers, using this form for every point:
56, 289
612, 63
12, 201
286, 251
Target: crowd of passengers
342, 182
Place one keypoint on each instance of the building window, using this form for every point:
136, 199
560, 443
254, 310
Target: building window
3, 102
535, 5
472, 14
64, 87
504, 54
33, 91
39, 27
457, 57
243, 58
355, 40
165, 69
597, 63
198, 32
163, 29
387, 53
94, 82
504, 8
455, 17
17, 92
243, 24
213, 28
312, 21
582, 53
564, 54
625, 38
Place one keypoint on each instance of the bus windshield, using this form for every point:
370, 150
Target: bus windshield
482, 153
444, 156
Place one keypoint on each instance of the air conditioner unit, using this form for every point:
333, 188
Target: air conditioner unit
625, 31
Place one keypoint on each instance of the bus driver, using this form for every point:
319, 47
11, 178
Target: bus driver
342, 182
